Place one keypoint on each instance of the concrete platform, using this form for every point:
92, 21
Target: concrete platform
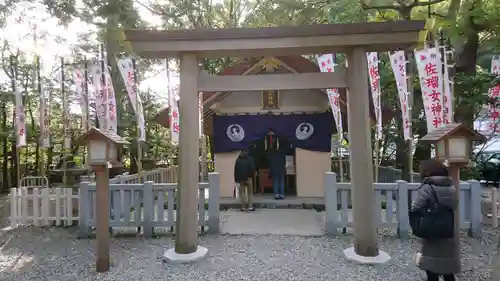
268, 202
272, 222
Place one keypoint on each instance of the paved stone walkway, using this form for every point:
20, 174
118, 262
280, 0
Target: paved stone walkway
272, 222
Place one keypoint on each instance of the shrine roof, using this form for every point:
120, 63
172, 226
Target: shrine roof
285, 40
275, 32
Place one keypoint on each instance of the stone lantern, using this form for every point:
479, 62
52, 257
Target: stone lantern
452, 143
103, 147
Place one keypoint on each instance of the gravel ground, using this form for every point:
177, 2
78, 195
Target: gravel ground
55, 254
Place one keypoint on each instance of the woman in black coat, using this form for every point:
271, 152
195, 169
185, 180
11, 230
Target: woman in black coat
438, 257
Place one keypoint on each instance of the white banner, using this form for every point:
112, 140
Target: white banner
112, 117
326, 63
374, 75
448, 95
100, 94
105, 98
44, 120
174, 117
127, 71
79, 78
173, 109
494, 94
20, 119
429, 67
398, 63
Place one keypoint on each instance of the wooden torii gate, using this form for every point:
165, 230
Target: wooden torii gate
354, 40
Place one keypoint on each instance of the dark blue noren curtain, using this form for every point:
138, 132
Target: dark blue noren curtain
307, 131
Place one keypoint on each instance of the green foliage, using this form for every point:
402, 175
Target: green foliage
473, 29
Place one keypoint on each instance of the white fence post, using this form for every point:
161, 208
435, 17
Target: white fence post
494, 207
148, 209
213, 202
476, 225
331, 212
403, 206
14, 216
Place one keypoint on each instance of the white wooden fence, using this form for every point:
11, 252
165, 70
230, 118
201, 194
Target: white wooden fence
149, 206
392, 204
34, 203
43, 206
494, 216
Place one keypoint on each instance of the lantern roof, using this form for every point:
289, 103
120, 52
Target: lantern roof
453, 130
98, 134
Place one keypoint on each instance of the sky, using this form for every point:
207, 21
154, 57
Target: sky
35, 17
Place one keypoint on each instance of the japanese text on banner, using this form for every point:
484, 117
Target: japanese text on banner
374, 75
174, 118
398, 64
127, 71
44, 121
20, 120
326, 63
100, 94
111, 101
494, 95
447, 94
429, 67
105, 99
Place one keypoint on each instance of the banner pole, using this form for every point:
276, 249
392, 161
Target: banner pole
44, 102
87, 110
13, 72
139, 148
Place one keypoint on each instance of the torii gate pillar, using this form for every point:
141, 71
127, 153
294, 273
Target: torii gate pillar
365, 249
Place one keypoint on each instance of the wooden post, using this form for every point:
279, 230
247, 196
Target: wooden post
376, 159
87, 110
454, 170
13, 73
44, 101
139, 148
409, 85
187, 198
363, 193
102, 194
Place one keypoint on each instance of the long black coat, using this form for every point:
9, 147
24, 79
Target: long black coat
244, 167
438, 255
277, 164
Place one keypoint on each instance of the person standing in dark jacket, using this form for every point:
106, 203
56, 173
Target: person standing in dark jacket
277, 170
438, 257
244, 169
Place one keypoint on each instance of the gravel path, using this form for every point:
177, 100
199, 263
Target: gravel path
54, 254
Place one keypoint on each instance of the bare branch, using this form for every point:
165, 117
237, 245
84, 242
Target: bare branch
417, 3
438, 15
147, 7
380, 7
399, 6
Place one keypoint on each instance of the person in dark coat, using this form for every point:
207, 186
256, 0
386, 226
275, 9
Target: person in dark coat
438, 257
244, 170
277, 171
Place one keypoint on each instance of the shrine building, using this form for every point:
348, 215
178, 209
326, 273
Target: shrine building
299, 122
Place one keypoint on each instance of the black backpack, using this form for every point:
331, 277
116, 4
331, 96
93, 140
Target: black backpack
436, 222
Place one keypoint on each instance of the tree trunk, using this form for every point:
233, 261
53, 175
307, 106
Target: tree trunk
5, 143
